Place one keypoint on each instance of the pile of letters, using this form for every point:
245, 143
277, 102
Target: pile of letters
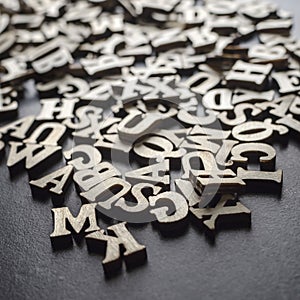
160, 111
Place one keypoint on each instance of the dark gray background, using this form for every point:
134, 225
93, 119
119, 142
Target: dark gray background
258, 263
